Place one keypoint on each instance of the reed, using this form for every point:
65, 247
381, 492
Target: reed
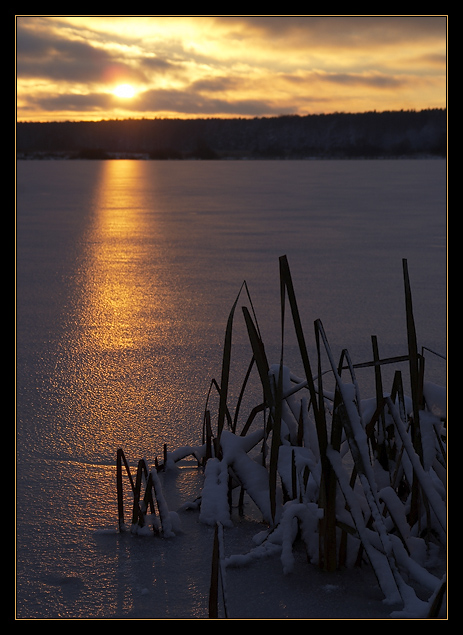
322, 447
144, 505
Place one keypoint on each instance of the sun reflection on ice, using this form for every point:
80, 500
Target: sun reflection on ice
119, 283
118, 391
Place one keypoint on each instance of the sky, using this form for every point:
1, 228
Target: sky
74, 68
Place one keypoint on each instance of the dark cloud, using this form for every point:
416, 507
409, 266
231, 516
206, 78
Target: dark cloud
41, 54
338, 30
374, 80
215, 84
434, 60
371, 80
156, 64
174, 101
192, 103
71, 102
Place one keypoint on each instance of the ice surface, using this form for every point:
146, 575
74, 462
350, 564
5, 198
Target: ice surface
126, 273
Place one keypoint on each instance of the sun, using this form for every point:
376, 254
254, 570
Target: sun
125, 91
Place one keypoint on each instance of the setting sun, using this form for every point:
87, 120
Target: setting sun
126, 91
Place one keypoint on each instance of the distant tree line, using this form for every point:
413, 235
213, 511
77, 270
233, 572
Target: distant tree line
339, 135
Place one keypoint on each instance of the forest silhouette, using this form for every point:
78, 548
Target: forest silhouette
338, 135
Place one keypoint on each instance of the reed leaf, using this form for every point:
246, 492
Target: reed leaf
414, 358
208, 441
378, 378
328, 484
226, 361
397, 392
241, 395
136, 492
273, 397
120, 459
215, 385
255, 411
287, 283
259, 356
275, 445
416, 379
214, 584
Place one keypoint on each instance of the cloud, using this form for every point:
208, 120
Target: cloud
215, 84
93, 102
228, 65
193, 103
163, 100
336, 31
157, 64
372, 80
45, 55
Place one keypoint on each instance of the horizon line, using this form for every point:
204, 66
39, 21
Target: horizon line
240, 117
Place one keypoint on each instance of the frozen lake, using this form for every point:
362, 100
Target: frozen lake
126, 273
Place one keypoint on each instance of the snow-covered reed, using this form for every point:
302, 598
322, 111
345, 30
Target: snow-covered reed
353, 479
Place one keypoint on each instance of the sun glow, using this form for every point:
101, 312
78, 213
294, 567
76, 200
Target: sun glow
125, 91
